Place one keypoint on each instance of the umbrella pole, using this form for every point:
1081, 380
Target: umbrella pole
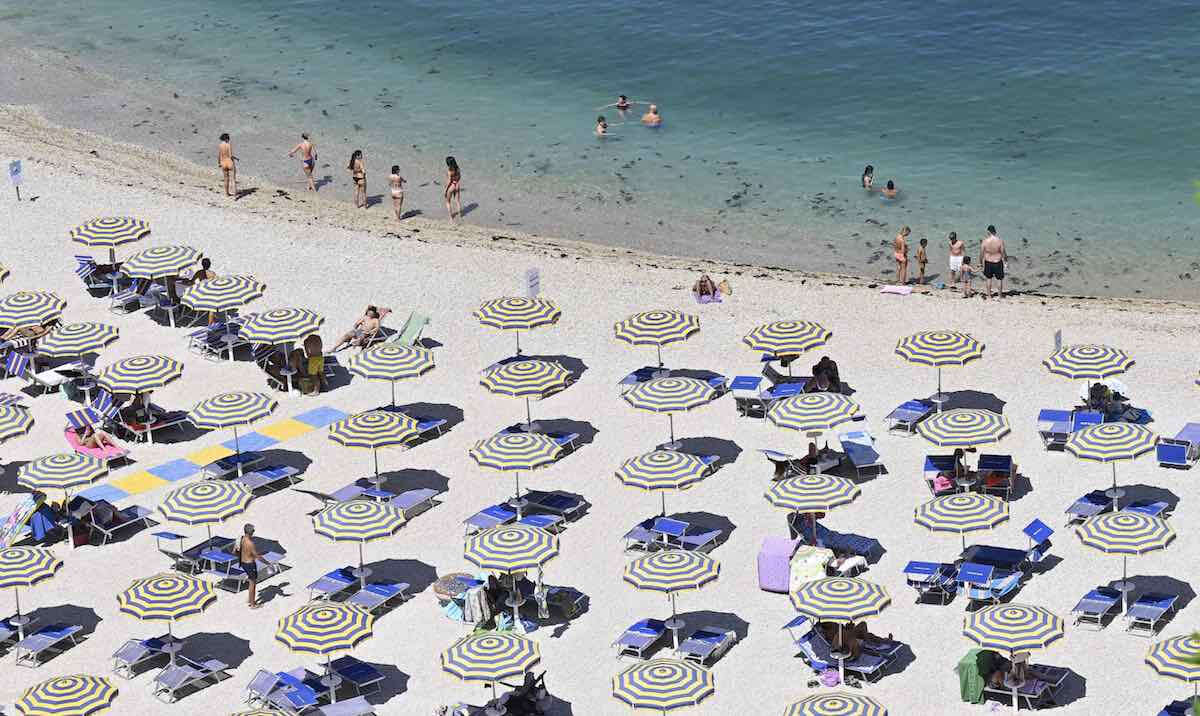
333, 680
19, 621
659, 349
1016, 704
393, 392
841, 654
518, 501
674, 623
664, 503
518, 332
671, 423
528, 417
362, 572
375, 454
237, 450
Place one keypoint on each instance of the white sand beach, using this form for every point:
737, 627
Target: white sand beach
328, 257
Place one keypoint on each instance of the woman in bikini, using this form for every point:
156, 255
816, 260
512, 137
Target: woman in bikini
93, 437
308, 158
397, 183
868, 177
900, 252
225, 160
358, 172
453, 187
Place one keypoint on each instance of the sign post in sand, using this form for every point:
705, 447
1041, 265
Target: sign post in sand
533, 283
14, 175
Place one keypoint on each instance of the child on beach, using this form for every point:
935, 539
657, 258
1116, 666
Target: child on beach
922, 259
966, 271
397, 184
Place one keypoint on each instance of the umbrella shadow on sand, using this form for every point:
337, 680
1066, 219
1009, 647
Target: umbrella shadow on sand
701, 522
974, 399
1160, 584
231, 649
63, 614
727, 451
414, 479
417, 574
452, 414
8, 477
395, 683
558, 427
1149, 493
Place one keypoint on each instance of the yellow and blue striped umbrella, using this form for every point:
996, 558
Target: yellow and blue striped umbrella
169, 596
61, 471
71, 695
813, 412
139, 374
787, 338
491, 656
223, 293
1177, 657
963, 427
511, 548
358, 521
662, 470
657, 328
812, 493
325, 628
231, 410
281, 326
526, 379
672, 571
14, 421
670, 396
374, 429
961, 513
1092, 362
160, 262
1125, 532
517, 314
840, 599
836, 703
205, 503
77, 339
25, 567
939, 349
110, 231
516, 451
1111, 442
1013, 627
663, 684
391, 362
27, 309
260, 712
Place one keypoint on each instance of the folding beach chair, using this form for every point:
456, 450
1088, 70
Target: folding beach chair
700, 541
362, 676
134, 653
489, 517
292, 695
996, 473
1146, 614
106, 520
642, 536
905, 417
130, 299
17, 364
49, 639
1181, 451
410, 332
704, 646
639, 638
378, 594
260, 688
932, 579
271, 478
333, 583
1095, 606
859, 446
89, 272
186, 673
1093, 503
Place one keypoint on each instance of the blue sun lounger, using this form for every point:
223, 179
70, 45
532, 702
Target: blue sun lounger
1093, 503
332, 583
1181, 451
1147, 507
377, 594
185, 673
639, 638
50, 638
558, 503
413, 502
1176, 708
845, 543
986, 583
362, 676
751, 401
1095, 606
272, 477
859, 446
817, 653
489, 517
704, 646
135, 652
1144, 615
906, 416
550, 523
932, 579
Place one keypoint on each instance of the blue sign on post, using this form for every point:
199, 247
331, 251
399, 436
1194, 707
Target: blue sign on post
14, 176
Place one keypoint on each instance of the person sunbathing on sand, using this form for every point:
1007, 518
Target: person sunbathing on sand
652, 118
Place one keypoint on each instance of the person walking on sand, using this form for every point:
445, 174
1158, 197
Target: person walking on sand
453, 190
957, 251
994, 258
227, 162
358, 172
308, 158
900, 252
247, 556
922, 260
396, 182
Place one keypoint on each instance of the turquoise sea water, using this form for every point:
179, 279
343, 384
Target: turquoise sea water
1071, 126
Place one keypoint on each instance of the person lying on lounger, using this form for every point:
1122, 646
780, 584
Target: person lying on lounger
93, 437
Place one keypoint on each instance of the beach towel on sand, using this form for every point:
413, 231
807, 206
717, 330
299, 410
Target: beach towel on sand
900, 290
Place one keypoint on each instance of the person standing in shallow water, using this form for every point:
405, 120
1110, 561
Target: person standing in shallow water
453, 192
308, 158
358, 173
900, 252
226, 161
994, 257
396, 182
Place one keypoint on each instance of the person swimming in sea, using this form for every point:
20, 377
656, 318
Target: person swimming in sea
889, 191
868, 177
622, 103
601, 126
652, 118
308, 158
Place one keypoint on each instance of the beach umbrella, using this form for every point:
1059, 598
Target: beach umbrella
160, 262
140, 375
358, 521
671, 571
391, 362
1111, 442
28, 309
110, 232
939, 349
1125, 532
509, 549
77, 339
812, 412
963, 427
670, 396
812, 493
168, 597
1013, 628
657, 328
221, 295
787, 338
372, 430
526, 379
61, 471
1090, 362
491, 657
836, 703
205, 503
25, 567
1178, 658
281, 327
663, 684
516, 453
662, 470
517, 314
961, 513
231, 410
324, 629
71, 695
843, 600
260, 712
14, 421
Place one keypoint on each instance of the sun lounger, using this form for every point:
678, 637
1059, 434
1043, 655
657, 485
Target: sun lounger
641, 375
17, 364
135, 652
1150, 609
332, 583
566, 441
46, 640
752, 400
1147, 507
410, 332
550, 523
932, 579
159, 420
558, 503
997, 588
1054, 427
413, 502
378, 594
272, 477
639, 638
229, 465
905, 417
1033, 693
353, 491
995, 473
108, 453
129, 299
1093, 503
260, 688
787, 465
1095, 606
186, 673
817, 653
106, 521
291, 694
844, 543
641, 536
89, 272
9, 631
1183, 450
233, 578
704, 646
859, 446
1177, 708
362, 676
700, 541
489, 517
357, 706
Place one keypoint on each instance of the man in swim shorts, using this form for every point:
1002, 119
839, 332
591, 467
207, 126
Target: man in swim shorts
957, 251
247, 557
308, 158
994, 257
652, 118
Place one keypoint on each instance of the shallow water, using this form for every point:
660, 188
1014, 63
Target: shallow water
1068, 127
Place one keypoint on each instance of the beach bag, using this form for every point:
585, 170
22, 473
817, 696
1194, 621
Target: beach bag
941, 482
829, 677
